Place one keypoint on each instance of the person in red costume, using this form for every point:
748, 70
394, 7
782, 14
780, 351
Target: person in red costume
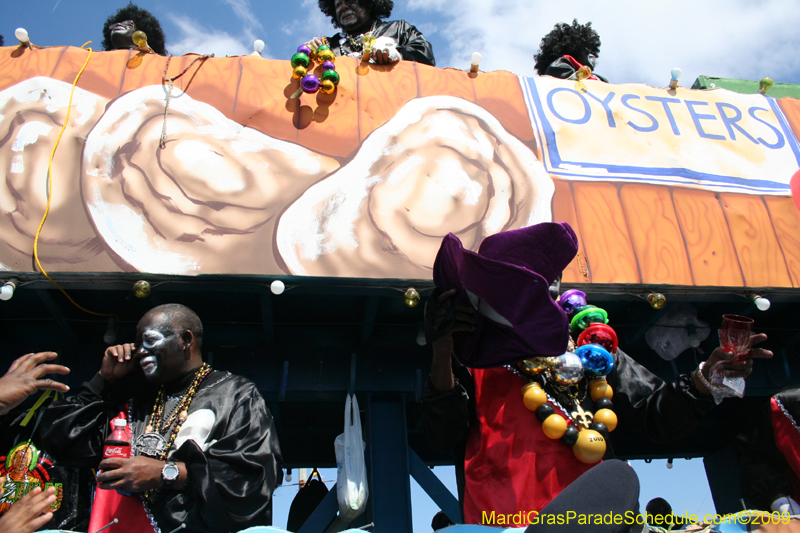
490, 318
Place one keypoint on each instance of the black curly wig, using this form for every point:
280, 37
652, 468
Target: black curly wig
378, 9
144, 21
566, 40
1, 40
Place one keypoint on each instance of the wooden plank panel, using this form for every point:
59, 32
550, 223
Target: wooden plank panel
19, 64
786, 221
382, 91
655, 235
102, 75
150, 71
213, 80
605, 233
705, 231
262, 98
452, 82
500, 94
564, 211
760, 256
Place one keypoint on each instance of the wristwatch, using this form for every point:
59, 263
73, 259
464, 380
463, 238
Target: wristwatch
169, 474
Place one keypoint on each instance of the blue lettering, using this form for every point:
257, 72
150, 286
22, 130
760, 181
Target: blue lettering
780, 142
587, 112
697, 117
609, 114
665, 102
654, 123
731, 122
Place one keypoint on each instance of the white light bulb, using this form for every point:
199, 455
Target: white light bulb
676, 73
6, 292
258, 45
288, 476
421, 340
669, 464
277, 287
476, 58
22, 35
762, 303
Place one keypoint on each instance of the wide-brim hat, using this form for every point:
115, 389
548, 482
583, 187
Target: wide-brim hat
507, 284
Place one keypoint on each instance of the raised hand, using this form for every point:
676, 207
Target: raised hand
25, 376
118, 362
28, 514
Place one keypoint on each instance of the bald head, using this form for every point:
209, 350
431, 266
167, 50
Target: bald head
181, 318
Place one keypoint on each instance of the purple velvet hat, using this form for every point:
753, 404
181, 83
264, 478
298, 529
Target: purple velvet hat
507, 284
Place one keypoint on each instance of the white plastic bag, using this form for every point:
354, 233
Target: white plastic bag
351, 481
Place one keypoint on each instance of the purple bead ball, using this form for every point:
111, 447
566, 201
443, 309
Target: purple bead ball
305, 49
572, 301
310, 84
328, 65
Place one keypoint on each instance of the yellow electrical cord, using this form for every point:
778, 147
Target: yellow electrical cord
50, 195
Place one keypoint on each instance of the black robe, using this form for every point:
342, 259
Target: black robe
410, 42
231, 474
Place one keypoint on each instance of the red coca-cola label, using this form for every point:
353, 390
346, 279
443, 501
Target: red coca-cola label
116, 451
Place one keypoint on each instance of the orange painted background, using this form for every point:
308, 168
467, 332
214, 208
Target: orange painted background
629, 233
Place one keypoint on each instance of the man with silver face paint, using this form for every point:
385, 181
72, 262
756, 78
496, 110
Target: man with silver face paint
205, 451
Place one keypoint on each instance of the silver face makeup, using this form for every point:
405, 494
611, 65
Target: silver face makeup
153, 347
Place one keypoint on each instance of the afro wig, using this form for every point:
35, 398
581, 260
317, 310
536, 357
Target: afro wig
566, 40
378, 9
144, 21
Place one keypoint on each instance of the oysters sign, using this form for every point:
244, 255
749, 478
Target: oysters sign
715, 140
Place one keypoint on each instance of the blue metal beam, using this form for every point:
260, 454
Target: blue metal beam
431, 484
323, 515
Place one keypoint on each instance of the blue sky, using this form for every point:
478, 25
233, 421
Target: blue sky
642, 42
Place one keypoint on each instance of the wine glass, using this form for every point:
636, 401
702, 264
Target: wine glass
734, 336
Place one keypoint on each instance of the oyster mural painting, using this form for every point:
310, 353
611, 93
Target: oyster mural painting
228, 173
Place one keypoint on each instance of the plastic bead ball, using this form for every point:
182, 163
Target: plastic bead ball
325, 55
569, 369
554, 426
299, 72
536, 365
300, 59
599, 388
304, 49
141, 289
604, 403
322, 48
572, 301
139, 38
600, 428
601, 334
588, 315
411, 297
607, 417
310, 84
596, 360
570, 435
327, 86
328, 65
590, 446
533, 396
331, 75
543, 411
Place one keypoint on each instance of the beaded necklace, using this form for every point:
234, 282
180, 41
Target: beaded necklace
152, 442
563, 376
303, 63
357, 43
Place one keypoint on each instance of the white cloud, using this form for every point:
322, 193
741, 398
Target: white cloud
197, 39
641, 40
312, 24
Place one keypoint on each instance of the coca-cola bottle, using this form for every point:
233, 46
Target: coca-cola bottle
117, 444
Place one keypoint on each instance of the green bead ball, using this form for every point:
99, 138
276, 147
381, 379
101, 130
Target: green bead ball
323, 47
331, 75
300, 60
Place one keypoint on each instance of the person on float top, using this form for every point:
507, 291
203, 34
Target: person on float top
492, 310
396, 40
566, 49
119, 28
205, 451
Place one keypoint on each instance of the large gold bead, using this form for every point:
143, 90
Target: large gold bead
411, 297
656, 300
139, 38
141, 289
326, 55
533, 396
536, 365
590, 446
299, 72
607, 417
554, 426
599, 388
